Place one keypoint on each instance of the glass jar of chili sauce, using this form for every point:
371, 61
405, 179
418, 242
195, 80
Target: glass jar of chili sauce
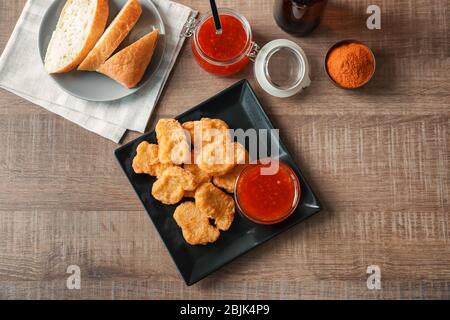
267, 193
280, 66
225, 53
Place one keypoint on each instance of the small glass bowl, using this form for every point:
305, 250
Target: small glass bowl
343, 42
287, 214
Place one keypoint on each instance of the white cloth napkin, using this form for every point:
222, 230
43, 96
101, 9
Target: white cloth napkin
22, 72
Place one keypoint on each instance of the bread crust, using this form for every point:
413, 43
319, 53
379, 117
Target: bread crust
128, 65
113, 36
98, 26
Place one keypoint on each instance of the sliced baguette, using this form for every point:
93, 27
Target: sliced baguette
80, 25
113, 36
128, 65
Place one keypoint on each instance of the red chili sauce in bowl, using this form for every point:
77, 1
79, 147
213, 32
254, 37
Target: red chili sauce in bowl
267, 198
225, 53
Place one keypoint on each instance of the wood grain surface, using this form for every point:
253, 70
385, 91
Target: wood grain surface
378, 158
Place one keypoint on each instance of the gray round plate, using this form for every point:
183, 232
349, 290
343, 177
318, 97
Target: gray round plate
94, 86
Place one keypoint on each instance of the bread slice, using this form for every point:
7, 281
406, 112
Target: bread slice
80, 25
128, 65
113, 36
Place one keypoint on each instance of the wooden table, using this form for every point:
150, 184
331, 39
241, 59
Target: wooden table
378, 158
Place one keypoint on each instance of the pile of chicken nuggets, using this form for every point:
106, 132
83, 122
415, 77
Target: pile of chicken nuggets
197, 160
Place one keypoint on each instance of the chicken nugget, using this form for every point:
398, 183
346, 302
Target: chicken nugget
147, 161
160, 168
217, 158
228, 181
167, 190
173, 142
207, 131
183, 177
200, 175
172, 184
216, 205
195, 225
214, 130
146, 156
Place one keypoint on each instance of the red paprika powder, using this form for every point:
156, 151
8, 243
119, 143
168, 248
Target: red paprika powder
351, 65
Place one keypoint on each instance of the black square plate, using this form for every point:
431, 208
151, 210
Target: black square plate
240, 108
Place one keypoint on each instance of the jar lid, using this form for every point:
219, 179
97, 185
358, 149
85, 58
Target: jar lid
281, 68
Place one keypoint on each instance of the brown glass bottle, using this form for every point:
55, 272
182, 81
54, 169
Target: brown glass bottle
299, 17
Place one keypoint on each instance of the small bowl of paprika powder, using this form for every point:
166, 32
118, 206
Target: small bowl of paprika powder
350, 64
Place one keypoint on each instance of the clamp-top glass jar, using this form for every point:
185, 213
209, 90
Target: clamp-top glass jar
280, 67
226, 53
